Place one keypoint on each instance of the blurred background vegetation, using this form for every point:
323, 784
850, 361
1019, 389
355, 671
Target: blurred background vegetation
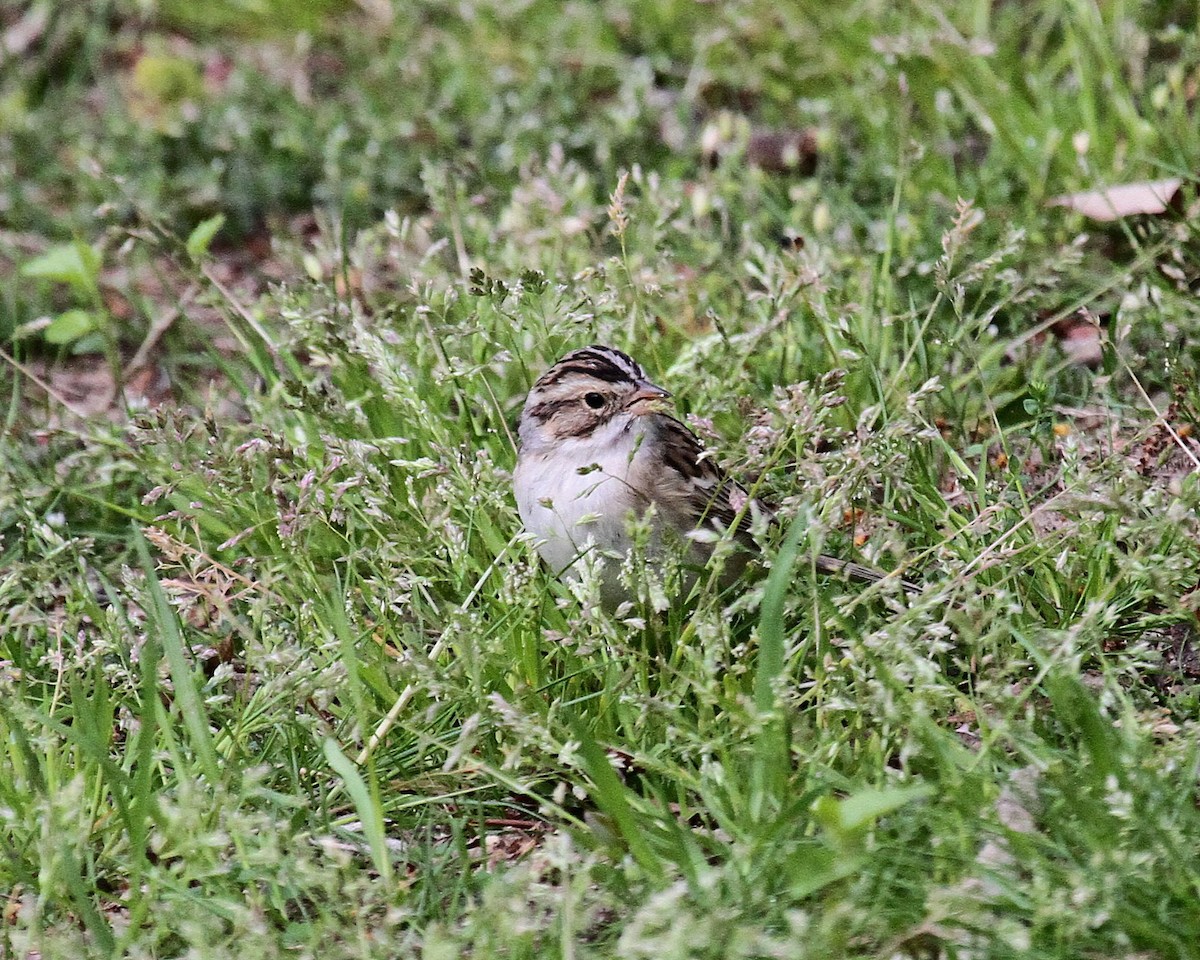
119, 112
278, 676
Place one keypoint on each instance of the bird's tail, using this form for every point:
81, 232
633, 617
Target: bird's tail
856, 571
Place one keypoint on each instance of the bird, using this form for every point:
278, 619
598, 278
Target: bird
599, 447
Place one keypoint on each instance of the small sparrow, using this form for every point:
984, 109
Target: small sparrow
597, 448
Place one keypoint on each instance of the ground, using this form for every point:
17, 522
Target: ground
280, 675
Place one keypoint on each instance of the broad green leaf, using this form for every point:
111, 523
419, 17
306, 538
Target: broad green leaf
368, 810
75, 264
199, 239
188, 699
770, 625
89, 343
845, 817
612, 796
69, 326
866, 806
769, 782
813, 868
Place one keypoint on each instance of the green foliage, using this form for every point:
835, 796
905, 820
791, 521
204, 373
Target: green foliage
202, 235
76, 265
279, 674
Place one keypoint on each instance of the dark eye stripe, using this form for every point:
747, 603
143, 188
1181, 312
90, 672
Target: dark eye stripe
546, 409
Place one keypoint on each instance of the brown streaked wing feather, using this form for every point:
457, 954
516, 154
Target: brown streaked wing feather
711, 496
709, 493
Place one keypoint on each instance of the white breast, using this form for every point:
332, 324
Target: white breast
576, 495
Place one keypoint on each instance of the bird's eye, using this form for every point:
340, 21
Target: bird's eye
593, 400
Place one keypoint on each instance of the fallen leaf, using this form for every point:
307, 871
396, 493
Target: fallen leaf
1112, 203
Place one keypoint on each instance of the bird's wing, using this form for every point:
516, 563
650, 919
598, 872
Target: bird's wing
697, 493
693, 487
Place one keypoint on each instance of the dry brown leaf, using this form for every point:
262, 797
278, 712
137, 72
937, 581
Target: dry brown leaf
1112, 203
510, 846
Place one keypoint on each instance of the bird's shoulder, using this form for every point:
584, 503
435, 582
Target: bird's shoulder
690, 473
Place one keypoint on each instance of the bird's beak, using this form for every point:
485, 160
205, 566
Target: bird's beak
648, 395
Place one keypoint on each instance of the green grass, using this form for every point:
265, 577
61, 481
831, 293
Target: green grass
279, 674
